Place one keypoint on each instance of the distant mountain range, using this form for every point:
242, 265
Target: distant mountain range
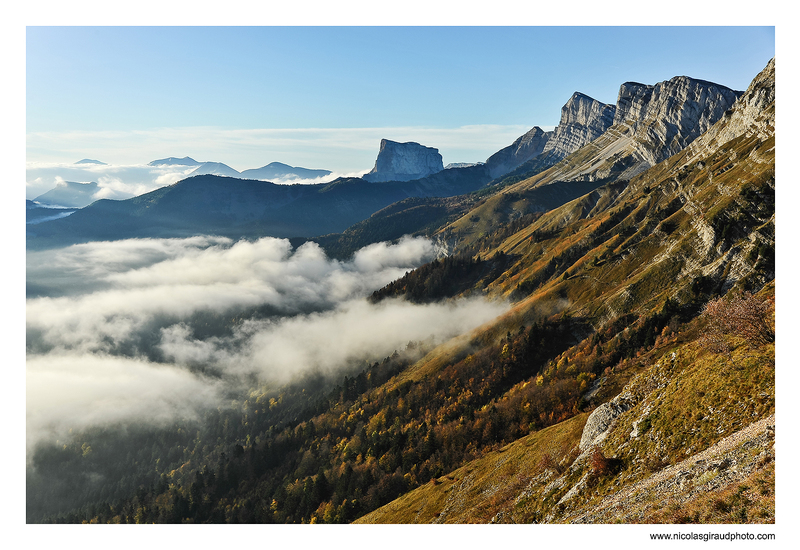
273, 170
648, 124
280, 171
69, 194
238, 208
215, 168
173, 161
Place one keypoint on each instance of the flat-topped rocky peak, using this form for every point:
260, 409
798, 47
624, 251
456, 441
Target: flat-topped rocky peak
404, 162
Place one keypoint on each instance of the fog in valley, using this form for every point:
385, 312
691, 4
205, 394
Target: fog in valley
147, 331
119, 182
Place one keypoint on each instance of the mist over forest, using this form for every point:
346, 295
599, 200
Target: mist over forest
149, 331
579, 329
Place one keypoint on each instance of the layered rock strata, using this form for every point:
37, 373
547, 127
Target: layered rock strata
404, 162
651, 123
753, 113
674, 113
583, 119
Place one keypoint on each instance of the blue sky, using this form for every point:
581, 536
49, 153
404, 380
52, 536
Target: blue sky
323, 97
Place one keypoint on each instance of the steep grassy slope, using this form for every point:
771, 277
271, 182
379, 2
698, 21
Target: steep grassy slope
634, 262
477, 491
628, 246
690, 440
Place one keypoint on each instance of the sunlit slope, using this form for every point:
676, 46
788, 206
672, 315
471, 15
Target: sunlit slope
680, 233
631, 264
475, 492
695, 223
689, 217
707, 211
690, 439
651, 124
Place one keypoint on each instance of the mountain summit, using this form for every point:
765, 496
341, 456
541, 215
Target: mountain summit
216, 169
280, 171
70, 194
648, 124
583, 119
174, 161
404, 162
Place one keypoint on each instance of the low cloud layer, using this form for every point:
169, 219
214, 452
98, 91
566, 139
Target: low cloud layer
123, 182
345, 151
148, 329
76, 391
354, 332
114, 182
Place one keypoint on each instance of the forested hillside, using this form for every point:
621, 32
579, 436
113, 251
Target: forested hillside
637, 289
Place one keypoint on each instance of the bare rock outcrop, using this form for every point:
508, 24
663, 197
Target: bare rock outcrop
632, 101
753, 113
602, 418
583, 119
676, 113
404, 162
650, 124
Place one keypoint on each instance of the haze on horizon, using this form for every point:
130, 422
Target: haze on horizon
323, 97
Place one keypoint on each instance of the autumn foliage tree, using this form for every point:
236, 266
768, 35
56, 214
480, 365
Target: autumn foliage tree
744, 315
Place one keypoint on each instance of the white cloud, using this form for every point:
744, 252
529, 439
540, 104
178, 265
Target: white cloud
120, 315
114, 182
75, 391
347, 152
356, 331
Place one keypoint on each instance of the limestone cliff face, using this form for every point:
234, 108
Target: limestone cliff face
632, 101
404, 162
583, 119
753, 113
523, 149
678, 112
650, 124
